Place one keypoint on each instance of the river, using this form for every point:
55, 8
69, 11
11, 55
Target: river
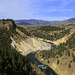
44, 68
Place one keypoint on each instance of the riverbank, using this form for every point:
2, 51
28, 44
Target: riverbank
65, 66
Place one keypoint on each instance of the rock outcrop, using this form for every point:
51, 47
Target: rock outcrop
29, 44
7, 24
23, 43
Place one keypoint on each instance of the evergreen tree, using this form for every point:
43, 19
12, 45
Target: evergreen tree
69, 65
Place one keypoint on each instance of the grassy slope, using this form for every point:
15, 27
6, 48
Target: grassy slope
47, 32
61, 58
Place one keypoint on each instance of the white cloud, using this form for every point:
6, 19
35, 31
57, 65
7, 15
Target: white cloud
59, 10
33, 8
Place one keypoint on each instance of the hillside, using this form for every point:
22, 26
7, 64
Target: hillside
51, 33
11, 62
7, 24
62, 57
11, 58
71, 20
26, 44
63, 23
58, 44
22, 41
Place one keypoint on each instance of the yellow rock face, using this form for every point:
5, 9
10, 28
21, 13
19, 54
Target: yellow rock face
30, 44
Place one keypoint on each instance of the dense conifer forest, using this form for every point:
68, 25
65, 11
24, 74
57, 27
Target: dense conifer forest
11, 62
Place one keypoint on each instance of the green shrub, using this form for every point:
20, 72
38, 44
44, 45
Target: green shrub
69, 65
57, 61
73, 58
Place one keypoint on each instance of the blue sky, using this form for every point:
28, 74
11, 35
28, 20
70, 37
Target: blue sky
37, 9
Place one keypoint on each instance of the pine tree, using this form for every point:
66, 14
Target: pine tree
69, 65
57, 61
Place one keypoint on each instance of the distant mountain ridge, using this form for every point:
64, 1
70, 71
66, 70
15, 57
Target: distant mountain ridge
23, 23
71, 20
45, 23
33, 21
63, 23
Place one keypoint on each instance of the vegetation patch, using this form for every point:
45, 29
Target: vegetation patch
11, 62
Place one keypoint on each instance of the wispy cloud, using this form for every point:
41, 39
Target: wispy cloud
58, 10
36, 8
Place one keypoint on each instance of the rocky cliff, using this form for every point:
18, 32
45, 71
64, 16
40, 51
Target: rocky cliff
7, 24
23, 43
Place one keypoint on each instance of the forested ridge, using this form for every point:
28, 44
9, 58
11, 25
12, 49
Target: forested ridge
52, 33
11, 62
61, 49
